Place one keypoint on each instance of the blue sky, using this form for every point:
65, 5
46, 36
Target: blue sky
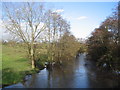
83, 16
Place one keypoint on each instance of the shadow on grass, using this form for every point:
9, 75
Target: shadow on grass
10, 76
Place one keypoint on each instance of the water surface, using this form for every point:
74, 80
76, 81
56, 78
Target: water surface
73, 75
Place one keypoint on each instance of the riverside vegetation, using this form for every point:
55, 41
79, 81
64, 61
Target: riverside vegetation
16, 64
104, 43
42, 37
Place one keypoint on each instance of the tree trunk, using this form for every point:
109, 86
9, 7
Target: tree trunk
33, 64
32, 52
32, 57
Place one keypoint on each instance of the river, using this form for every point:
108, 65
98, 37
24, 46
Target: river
76, 74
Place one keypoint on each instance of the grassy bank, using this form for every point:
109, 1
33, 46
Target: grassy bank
0, 65
15, 64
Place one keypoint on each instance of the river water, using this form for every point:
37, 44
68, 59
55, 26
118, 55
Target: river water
76, 74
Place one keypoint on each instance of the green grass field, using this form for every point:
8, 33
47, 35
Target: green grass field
15, 64
0, 65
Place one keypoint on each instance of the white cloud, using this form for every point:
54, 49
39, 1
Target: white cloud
81, 17
59, 11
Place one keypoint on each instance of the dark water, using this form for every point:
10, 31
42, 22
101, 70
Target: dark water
73, 75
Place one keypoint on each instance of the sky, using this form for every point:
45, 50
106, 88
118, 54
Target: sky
84, 17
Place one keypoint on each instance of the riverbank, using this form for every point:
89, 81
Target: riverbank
79, 73
15, 65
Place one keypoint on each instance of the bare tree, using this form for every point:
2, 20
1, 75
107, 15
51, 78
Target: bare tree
26, 21
56, 27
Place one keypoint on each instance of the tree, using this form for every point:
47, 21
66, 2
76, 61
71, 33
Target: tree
69, 46
26, 21
32, 23
56, 27
97, 43
104, 43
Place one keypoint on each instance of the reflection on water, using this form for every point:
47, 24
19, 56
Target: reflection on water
76, 74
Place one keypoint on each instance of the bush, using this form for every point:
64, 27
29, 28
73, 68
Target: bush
40, 63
